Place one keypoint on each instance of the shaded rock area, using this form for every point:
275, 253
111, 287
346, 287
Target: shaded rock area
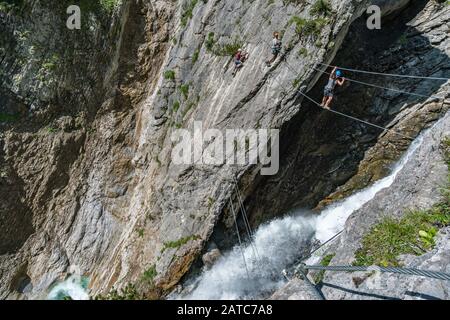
316, 162
86, 119
417, 186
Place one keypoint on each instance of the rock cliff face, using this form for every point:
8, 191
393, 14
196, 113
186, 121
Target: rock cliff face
87, 116
412, 189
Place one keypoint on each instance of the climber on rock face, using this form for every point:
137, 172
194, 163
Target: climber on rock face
335, 78
276, 48
239, 59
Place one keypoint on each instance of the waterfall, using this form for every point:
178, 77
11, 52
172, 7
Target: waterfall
73, 288
280, 243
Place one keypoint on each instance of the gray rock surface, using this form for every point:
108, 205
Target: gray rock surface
295, 289
89, 159
415, 187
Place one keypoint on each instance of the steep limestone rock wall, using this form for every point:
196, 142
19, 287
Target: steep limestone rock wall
416, 187
92, 166
257, 97
72, 138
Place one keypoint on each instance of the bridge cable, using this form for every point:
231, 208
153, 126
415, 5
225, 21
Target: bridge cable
386, 74
239, 238
245, 218
381, 87
406, 271
343, 114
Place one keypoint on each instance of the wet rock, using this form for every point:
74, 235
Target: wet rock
295, 289
211, 257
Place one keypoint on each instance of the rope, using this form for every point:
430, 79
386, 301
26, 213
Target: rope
406, 271
381, 87
323, 245
340, 113
241, 204
386, 74
250, 231
246, 221
239, 238
316, 291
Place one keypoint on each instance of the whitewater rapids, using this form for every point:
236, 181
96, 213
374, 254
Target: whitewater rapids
280, 243
74, 287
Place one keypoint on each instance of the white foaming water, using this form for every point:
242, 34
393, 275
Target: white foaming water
279, 244
74, 287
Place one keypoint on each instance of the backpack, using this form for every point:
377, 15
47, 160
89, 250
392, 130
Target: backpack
277, 47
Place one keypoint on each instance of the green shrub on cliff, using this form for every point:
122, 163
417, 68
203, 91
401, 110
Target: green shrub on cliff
10, 5
321, 8
127, 293
5, 117
109, 5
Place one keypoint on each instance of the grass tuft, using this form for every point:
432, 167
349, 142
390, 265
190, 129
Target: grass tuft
325, 262
187, 12
412, 234
178, 243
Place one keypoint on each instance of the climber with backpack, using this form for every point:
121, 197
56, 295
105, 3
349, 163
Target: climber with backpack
239, 59
276, 48
335, 78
